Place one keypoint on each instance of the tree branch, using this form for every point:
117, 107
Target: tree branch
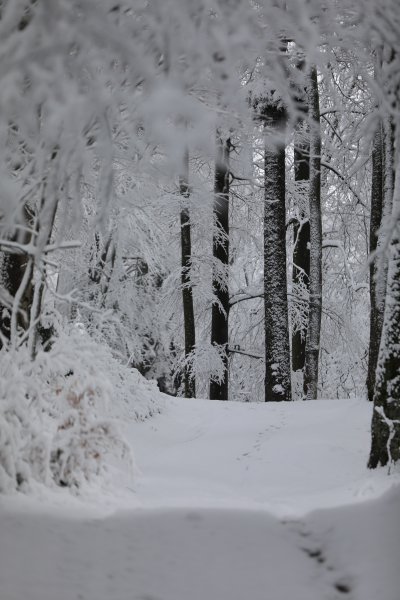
343, 178
251, 355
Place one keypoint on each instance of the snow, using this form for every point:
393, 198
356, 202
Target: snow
287, 458
230, 500
362, 542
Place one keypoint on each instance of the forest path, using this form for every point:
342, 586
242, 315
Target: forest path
219, 512
174, 554
287, 458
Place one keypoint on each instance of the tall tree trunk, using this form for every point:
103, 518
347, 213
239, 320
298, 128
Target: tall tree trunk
376, 311
277, 351
315, 303
220, 308
186, 263
379, 268
301, 234
385, 446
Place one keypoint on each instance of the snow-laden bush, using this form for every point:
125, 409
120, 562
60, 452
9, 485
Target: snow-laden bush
24, 443
59, 414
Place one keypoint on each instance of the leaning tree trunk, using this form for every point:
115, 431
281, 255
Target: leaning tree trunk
220, 308
385, 446
277, 351
301, 235
187, 292
377, 303
315, 302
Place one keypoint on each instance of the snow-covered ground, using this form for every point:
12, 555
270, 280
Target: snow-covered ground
286, 458
230, 501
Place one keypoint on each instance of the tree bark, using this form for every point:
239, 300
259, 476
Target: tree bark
186, 263
301, 251
315, 302
376, 311
382, 190
385, 443
220, 308
277, 351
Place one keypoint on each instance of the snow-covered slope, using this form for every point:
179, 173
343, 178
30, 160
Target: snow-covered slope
219, 510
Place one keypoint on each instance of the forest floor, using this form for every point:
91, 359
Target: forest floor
230, 502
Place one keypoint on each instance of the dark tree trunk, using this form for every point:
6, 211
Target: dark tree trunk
187, 292
301, 251
220, 308
385, 446
376, 312
277, 351
381, 215
315, 303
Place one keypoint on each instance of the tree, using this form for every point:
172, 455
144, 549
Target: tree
301, 241
376, 301
220, 307
277, 353
301, 224
385, 430
315, 306
385, 427
187, 292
